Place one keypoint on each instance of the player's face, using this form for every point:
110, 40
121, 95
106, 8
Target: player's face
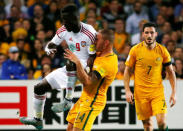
71, 22
149, 35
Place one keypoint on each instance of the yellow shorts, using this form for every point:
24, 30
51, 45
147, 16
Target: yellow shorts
147, 107
82, 117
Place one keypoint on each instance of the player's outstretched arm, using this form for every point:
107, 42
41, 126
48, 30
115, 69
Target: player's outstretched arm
129, 95
172, 79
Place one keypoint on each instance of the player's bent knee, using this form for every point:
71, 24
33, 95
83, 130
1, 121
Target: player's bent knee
42, 87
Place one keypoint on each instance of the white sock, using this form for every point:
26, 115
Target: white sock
71, 84
39, 101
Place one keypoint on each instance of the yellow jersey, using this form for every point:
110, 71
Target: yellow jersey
95, 96
148, 65
119, 41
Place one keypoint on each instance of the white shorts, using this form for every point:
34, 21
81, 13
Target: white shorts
58, 78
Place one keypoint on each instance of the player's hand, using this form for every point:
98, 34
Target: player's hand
71, 56
50, 51
129, 97
172, 100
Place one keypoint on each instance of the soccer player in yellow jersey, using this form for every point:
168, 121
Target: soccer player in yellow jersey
147, 59
95, 85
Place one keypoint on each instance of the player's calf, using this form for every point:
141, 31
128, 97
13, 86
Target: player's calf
39, 100
71, 74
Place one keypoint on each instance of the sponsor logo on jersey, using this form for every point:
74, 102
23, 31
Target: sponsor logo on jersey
102, 71
83, 43
92, 47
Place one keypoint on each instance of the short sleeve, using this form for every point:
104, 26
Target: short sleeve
100, 69
130, 61
166, 56
91, 34
59, 36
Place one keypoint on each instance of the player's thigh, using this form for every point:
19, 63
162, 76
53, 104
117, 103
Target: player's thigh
42, 87
70, 66
73, 112
58, 78
143, 109
86, 118
159, 105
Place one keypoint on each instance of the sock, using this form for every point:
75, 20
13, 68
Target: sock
71, 84
39, 101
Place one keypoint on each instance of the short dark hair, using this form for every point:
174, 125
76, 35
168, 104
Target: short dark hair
107, 34
70, 9
149, 24
119, 18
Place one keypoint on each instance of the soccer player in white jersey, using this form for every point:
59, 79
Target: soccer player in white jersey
79, 38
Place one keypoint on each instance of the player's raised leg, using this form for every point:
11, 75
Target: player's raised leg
67, 103
39, 101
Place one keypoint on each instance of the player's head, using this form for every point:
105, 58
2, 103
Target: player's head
104, 40
149, 33
70, 18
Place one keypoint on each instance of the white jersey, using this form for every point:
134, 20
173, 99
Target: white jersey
81, 43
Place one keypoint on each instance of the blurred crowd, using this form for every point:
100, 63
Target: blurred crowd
27, 25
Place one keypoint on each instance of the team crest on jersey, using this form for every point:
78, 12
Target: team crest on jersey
83, 43
158, 59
